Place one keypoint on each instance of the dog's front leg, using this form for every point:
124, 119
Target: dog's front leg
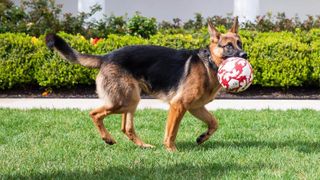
175, 115
204, 115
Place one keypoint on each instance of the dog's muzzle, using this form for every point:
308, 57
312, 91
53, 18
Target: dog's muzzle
243, 55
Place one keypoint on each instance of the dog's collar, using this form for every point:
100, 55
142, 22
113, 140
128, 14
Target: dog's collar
205, 56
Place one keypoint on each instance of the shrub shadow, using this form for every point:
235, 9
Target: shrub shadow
301, 146
178, 171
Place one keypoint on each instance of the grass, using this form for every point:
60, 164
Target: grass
64, 144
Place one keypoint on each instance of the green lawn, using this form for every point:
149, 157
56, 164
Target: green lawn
64, 144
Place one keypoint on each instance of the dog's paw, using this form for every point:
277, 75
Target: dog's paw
147, 146
202, 138
171, 149
109, 141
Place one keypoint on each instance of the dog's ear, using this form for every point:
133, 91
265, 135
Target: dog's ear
235, 26
214, 33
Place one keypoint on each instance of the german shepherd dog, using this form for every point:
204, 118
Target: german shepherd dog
185, 79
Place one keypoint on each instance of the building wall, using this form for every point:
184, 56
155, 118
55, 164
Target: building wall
69, 6
169, 9
185, 9
291, 7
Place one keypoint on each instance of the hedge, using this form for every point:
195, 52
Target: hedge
279, 59
36, 17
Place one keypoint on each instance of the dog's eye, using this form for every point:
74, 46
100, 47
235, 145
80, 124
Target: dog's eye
229, 46
239, 44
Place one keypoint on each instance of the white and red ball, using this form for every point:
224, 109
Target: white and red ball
235, 74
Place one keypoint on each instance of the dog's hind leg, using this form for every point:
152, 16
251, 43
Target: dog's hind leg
127, 123
123, 122
97, 116
204, 115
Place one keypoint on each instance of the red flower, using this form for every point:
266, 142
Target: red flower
95, 41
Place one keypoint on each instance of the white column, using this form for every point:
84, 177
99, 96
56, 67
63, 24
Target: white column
84, 6
247, 10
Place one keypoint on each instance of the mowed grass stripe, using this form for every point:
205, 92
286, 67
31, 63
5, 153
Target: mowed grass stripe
64, 144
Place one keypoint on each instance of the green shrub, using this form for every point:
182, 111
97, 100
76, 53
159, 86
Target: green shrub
40, 14
108, 25
53, 71
177, 41
198, 23
36, 17
80, 23
12, 17
16, 60
57, 73
115, 41
314, 63
279, 59
142, 26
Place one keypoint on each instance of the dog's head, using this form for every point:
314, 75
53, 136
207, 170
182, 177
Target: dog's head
223, 46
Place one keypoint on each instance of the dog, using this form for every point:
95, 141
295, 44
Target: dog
186, 79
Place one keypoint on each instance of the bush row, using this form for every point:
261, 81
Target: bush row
36, 17
279, 59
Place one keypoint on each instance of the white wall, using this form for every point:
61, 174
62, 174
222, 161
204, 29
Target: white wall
69, 6
246, 10
185, 9
291, 7
169, 9
85, 6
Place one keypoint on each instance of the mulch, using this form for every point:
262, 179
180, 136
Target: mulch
254, 92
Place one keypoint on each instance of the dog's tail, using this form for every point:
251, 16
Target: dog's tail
55, 42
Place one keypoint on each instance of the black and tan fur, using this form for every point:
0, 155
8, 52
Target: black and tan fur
179, 77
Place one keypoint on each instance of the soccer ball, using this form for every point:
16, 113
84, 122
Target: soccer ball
235, 74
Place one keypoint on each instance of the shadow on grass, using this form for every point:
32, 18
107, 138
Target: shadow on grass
184, 171
301, 146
